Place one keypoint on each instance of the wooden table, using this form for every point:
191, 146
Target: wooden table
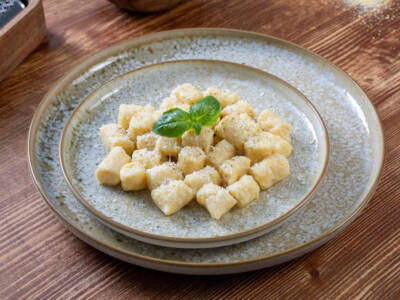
41, 259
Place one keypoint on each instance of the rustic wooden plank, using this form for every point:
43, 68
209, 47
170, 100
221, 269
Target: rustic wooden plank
40, 259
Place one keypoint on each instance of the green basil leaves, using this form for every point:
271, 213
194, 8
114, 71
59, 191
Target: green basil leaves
174, 122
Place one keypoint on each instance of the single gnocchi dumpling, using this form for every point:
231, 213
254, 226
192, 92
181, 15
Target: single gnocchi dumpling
113, 135
269, 121
270, 170
133, 177
199, 178
147, 158
147, 141
244, 190
140, 123
187, 93
162, 174
238, 108
215, 199
169, 146
126, 111
220, 152
232, 169
224, 97
264, 144
108, 172
191, 159
236, 129
172, 102
204, 140
172, 196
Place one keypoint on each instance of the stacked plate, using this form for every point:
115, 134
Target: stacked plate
293, 217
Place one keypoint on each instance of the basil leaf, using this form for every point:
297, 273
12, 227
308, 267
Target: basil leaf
197, 127
206, 111
172, 123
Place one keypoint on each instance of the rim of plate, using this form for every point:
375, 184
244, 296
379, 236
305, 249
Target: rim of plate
85, 64
228, 237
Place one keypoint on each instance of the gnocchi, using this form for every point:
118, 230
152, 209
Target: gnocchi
148, 159
237, 108
204, 140
199, 178
187, 93
225, 97
236, 129
147, 141
162, 174
228, 164
113, 135
264, 144
191, 159
140, 123
269, 121
215, 199
244, 190
232, 169
220, 152
172, 197
172, 102
133, 177
168, 146
108, 171
270, 170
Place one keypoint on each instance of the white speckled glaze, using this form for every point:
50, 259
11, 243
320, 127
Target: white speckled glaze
135, 214
355, 134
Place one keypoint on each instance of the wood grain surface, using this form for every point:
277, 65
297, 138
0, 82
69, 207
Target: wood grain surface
16, 42
41, 259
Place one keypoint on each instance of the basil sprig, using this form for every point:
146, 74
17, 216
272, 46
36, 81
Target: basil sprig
174, 122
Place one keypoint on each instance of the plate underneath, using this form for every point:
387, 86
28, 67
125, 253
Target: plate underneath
134, 214
353, 126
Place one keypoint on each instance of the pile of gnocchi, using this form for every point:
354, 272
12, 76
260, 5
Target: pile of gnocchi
226, 165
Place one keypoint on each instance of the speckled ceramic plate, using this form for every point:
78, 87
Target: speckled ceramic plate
135, 214
355, 135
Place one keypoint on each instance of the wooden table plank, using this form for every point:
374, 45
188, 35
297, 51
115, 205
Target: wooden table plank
40, 259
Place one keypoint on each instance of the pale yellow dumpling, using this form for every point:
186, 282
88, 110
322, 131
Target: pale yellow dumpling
147, 141
269, 121
224, 97
172, 197
108, 172
215, 199
113, 135
140, 124
162, 174
147, 158
244, 190
168, 146
191, 159
201, 177
264, 144
204, 140
220, 152
232, 169
172, 102
133, 177
270, 170
187, 93
236, 129
126, 111
238, 108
